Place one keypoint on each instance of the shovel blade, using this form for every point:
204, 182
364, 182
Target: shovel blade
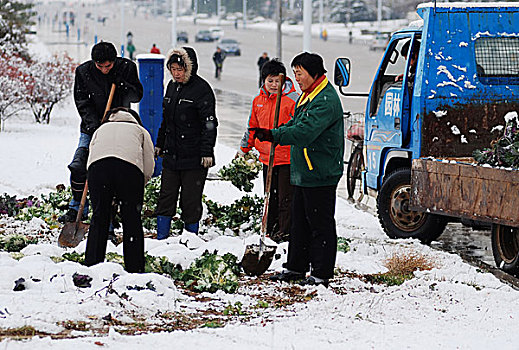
72, 234
255, 265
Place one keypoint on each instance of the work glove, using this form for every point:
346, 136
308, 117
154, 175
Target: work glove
239, 153
262, 134
207, 162
158, 152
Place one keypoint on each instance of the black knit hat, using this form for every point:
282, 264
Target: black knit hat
174, 58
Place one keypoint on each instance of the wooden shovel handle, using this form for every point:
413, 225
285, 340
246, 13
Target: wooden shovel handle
82, 203
109, 103
271, 158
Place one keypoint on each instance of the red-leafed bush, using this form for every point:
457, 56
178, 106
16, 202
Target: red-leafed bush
49, 81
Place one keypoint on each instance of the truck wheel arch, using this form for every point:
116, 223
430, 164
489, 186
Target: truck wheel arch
395, 159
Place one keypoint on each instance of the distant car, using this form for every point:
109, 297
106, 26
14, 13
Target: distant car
379, 42
203, 35
182, 37
230, 47
216, 32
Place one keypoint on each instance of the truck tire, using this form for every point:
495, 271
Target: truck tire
354, 171
394, 214
505, 247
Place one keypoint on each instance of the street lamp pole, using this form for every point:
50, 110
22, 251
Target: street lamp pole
244, 13
122, 28
173, 23
279, 11
307, 25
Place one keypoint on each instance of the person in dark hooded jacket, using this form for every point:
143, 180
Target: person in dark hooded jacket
93, 81
186, 142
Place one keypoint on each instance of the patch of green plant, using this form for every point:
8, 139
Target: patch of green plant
212, 272
213, 324
388, 279
343, 244
75, 257
17, 255
235, 309
14, 242
262, 304
505, 150
248, 209
115, 258
242, 171
162, 266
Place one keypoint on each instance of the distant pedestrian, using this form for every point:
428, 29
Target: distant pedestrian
350, 37
131, 49
324, 34
261, 61
218, 58
155, 49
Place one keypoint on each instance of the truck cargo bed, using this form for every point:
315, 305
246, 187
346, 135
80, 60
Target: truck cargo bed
466, 191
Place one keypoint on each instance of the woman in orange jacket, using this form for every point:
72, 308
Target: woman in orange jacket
262, 116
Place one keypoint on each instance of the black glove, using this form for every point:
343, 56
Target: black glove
262, 134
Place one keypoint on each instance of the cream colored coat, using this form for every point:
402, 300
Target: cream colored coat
122, 137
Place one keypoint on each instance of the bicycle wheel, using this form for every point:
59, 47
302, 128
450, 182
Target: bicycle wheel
354, 172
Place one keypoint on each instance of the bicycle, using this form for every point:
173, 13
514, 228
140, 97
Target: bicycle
354, 128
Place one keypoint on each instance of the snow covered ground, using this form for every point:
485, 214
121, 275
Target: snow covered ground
452, 306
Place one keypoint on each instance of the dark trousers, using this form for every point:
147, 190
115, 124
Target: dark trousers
109, 178
190, 185
313, 237
281, 192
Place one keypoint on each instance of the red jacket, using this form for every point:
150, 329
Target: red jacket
262, 116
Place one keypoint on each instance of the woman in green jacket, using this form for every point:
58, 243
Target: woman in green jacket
316, 134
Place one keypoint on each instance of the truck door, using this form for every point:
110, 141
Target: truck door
389, 104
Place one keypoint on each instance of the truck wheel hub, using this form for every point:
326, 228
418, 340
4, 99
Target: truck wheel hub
402, 217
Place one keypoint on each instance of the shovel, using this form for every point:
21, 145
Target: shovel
73, 233
257, 258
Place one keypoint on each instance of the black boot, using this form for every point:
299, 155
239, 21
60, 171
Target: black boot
79, 162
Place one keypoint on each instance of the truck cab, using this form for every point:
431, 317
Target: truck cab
443, 84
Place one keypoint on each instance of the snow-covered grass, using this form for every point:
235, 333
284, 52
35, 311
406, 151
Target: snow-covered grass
453, 305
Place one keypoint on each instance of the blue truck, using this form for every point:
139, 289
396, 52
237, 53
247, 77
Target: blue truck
444, 83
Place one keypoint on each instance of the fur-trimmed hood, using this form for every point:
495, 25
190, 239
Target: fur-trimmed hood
188, 55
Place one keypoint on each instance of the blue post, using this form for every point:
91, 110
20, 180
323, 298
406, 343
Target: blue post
151, 74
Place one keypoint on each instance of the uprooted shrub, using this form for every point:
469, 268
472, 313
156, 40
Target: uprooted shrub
401, 267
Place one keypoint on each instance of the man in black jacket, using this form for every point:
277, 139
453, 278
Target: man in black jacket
93, 81
186, 140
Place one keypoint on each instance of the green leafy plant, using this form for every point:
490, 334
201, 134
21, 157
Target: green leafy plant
234, 309
14, 242
75, 257
343, 244
242, 171
162, 266
248, 209
212, 272
504, 151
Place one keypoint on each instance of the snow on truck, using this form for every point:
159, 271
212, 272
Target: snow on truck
443, 84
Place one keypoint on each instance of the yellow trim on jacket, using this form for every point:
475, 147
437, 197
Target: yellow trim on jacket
307, 98
308, 162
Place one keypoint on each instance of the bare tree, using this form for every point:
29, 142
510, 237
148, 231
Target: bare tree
49, 82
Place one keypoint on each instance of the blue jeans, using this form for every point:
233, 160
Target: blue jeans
84, 141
